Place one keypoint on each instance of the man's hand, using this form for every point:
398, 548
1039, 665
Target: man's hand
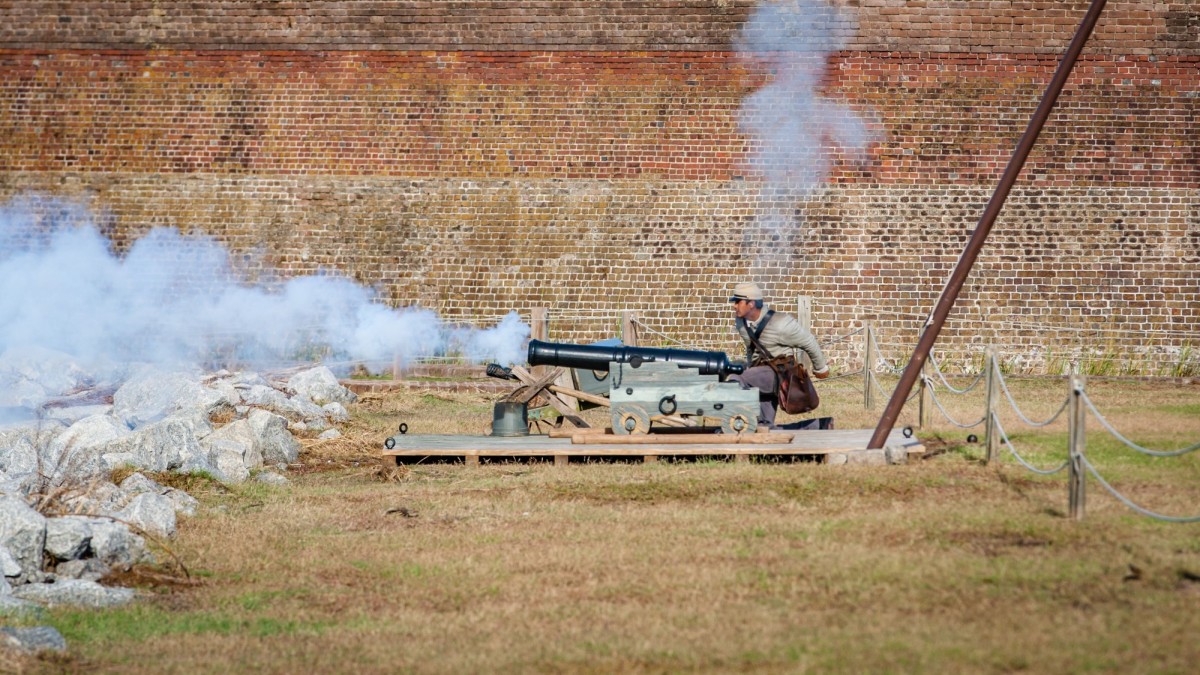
822, 375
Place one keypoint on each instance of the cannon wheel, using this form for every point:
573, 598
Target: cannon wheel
738, 424
631, 421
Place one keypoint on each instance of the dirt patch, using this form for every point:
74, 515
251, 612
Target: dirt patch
156, 579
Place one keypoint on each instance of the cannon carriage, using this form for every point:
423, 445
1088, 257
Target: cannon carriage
646, 384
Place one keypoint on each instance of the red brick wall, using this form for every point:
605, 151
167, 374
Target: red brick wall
478, 157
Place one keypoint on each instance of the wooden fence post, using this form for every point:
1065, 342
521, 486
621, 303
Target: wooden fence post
804, 312
992, 382
924, 397
629, 332
1076, 439
539, 329
868, 370
804, 317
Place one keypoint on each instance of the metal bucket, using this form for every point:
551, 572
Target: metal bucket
510, 419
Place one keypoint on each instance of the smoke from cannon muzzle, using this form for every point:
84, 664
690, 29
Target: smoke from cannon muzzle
597, 357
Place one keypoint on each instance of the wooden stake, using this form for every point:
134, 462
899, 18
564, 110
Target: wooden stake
1076, 493
868, 371
629, 331
991, 436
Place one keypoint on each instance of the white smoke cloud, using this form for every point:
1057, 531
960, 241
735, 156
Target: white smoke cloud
794, 129
175, 299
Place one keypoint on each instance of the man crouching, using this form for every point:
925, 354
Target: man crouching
776, 333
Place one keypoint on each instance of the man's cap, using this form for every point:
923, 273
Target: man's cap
746, 290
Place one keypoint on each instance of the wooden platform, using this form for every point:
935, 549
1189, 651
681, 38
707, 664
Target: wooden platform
842, 446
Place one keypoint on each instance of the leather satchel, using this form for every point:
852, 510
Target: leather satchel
795, 388
793, 385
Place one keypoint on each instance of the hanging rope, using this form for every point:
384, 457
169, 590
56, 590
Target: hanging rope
1128, 502
1017, 410
945, 383
951, 420
1008, 444
1131, 444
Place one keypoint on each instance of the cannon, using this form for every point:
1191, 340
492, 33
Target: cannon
645, 383
598, 357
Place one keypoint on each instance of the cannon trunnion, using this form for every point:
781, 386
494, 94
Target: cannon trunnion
648, 383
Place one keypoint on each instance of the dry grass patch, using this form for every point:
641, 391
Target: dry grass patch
941, 565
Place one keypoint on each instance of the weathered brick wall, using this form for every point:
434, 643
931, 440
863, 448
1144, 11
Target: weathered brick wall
479, 157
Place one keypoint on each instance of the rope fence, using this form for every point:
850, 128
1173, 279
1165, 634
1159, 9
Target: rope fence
997, 391
863, 341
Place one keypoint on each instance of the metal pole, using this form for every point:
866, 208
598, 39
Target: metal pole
1076, 439
954, 285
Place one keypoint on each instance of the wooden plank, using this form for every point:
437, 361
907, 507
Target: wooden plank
562, 386
623, 451
568, 433
568, 394
684, 439
813, 442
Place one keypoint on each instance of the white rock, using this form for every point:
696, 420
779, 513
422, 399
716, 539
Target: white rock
153, 513
228, 459
68, 537
9, 567
23, 533
336, 412
152, 395
76, 452
75, 593
29, 375
161, 446
321, 386
33, 639
275, 443
271, 478
88, 568
114, 545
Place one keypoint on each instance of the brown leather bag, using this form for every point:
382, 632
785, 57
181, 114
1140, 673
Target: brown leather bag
793, 386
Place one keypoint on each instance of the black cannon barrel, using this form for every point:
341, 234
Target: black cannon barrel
597, 357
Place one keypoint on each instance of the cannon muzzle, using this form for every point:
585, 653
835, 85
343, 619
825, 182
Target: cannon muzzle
597, 357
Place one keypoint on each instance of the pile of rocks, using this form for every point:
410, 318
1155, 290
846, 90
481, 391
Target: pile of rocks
232, 426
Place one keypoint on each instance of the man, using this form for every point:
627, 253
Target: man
780, 334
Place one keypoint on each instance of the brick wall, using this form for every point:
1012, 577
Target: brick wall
479, 157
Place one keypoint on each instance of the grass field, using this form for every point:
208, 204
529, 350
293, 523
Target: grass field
942, 565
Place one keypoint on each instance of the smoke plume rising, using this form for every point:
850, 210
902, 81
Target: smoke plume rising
793, 128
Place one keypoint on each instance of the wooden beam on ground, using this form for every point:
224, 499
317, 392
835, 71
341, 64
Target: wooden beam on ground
683, 439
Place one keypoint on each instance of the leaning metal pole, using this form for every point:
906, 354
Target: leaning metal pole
933, 325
